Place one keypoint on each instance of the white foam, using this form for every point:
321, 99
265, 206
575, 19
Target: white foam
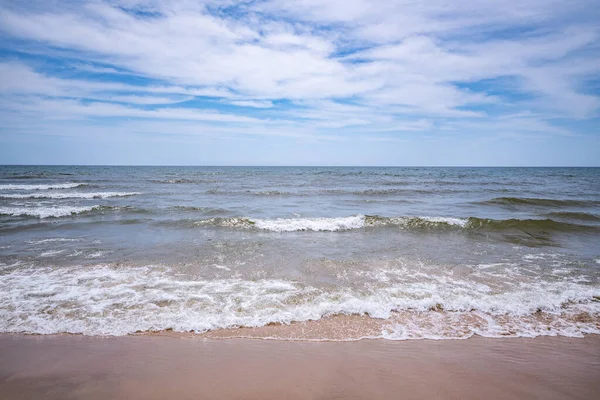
4, 266
96, 254
462, 222
460, 325
50, 240
331, 224
51, 253
101, 300
541, 256
68, 195
532, 257
310, 224
42, 187
45, 212
346, 223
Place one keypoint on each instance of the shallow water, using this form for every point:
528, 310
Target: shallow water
415, 252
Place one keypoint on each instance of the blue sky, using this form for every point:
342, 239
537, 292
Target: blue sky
300, 82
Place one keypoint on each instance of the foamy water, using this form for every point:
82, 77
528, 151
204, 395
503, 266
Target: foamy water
351, 222
45, 212
300, 253
69, 185
67, 195
101, 300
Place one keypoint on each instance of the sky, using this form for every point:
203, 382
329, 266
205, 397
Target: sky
300, 82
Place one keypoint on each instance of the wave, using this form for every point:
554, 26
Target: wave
68, 195
275, 193
181, 181
387, 192
174, 181
530, 225
330, 192
332, 224
112, 300
406, 222
26, 176
53, 240
254, 193
42, 187
203, 210
309, 224
57, 212
574, 215
380, 192
530, 201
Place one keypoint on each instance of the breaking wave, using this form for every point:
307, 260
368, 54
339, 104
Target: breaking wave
67, 195
407, 222
42, 187
56, 212
175, 181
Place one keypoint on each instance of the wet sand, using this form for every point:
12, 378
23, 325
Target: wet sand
158, 367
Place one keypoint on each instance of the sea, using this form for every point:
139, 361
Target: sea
300, 253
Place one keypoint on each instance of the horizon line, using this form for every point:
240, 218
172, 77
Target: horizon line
298, 166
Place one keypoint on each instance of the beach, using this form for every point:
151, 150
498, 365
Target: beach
159, 367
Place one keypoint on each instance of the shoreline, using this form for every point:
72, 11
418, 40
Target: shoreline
221, 335
436, 324
159, 366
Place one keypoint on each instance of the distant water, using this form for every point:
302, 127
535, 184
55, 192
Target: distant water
398, 253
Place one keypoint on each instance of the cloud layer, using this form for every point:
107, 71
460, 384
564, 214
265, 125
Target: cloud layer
312, 70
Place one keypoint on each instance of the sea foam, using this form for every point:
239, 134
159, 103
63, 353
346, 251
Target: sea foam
67, 195
310, 224
42, 187
45, 212
327, 224
112, 300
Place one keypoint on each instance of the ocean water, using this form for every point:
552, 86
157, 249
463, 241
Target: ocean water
300, 252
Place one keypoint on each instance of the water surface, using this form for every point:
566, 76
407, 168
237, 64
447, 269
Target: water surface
403, 252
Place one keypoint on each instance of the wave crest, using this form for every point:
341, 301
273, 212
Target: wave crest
540, 202
56, 212
68, 195
323, 224
70, 185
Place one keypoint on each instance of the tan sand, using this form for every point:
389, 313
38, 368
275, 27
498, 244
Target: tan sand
158, 367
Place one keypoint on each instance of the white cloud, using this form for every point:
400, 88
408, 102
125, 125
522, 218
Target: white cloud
96, 69
67, 109
148, 100
252, 103
18, 78
355, 64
